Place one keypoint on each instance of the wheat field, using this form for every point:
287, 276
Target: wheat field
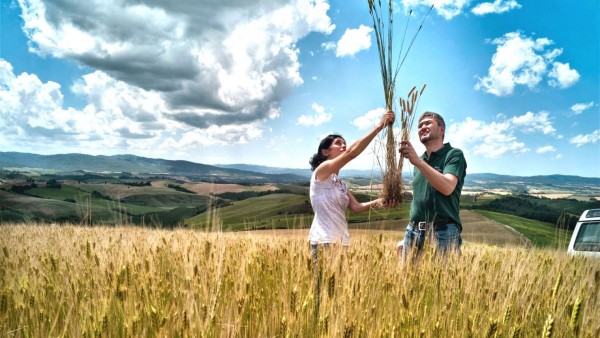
67, 281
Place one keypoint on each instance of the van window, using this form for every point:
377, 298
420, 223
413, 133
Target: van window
593, 213
588, 238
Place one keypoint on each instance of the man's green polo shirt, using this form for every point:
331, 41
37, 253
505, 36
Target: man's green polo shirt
429, 204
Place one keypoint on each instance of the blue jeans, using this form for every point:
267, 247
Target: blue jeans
444, 239
314, 249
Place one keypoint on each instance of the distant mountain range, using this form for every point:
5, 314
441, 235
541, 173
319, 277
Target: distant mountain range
136, 165
239, 172
300, 172
538, 179
482, 179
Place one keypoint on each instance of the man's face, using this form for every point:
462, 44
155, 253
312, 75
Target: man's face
429, 130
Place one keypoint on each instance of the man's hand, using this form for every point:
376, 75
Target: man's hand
444, 183
408, 151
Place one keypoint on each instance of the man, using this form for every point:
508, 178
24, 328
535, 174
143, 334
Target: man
438, 180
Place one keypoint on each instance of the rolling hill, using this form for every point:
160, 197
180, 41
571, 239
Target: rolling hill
486, 179
252, 173
137, 165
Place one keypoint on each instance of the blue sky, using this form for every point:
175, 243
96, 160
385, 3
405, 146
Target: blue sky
262, 81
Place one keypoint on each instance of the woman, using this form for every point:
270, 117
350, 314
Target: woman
329, 195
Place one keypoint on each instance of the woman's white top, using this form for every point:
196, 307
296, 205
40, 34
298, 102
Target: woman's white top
329, 200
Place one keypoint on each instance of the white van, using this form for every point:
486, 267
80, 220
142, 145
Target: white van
586, 236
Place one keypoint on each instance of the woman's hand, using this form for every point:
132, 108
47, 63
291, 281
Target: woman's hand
387, 119
334, 165
383, 203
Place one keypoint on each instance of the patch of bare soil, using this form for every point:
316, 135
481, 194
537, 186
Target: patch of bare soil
121, 191
476, 228
552, 196
160, 184
207, 188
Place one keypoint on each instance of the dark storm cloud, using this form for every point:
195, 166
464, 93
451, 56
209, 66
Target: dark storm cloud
226, 56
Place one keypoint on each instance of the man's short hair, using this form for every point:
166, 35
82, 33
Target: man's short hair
439, 119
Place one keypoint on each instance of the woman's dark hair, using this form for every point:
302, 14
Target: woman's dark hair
319, 158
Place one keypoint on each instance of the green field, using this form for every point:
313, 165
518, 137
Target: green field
162, 197
275, 211
67, 192
284, 211
15, 207
167, 201
94, 203
160, 205
399, 213
539, 233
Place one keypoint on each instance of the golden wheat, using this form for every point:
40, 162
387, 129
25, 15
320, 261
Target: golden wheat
131, 282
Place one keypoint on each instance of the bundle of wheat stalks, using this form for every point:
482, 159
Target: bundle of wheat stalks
392, 177
392, 170
408, 107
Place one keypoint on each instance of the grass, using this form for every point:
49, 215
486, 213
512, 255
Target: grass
76, 282
276, 211
67, 192
289, 211
264, 212
400, 214
539, 233
166, 201
146, 196
15, 207
78, 204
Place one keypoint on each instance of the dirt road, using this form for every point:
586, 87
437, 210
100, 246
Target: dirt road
476, 229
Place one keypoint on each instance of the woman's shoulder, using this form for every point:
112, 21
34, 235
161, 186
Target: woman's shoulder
331, 179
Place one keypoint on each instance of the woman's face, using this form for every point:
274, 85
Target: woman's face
337, 147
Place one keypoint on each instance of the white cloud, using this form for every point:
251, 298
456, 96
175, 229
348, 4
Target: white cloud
329, 45
498, 6
558, 156
545, 149
448, 9
489, 140
117, 115
315, 119
562, 75
497, 138
581, 139
213, 135
31, 109
531, 122
369, 120
445, 8
354, 40
521, 60
579, 108
218, 64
